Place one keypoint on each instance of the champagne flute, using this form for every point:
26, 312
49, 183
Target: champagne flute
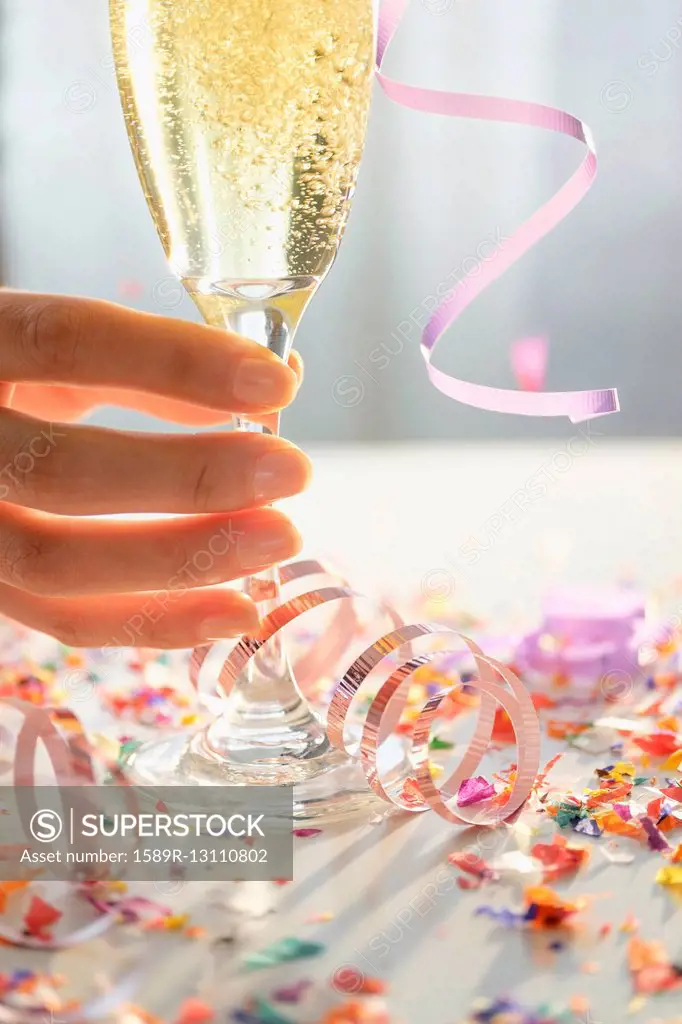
247, 120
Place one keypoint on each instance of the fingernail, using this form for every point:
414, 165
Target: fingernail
266, 383
280, 474
222, 628
269, 545
233, 623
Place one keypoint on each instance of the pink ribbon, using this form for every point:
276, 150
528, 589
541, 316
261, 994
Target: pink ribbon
577, 405
416, 792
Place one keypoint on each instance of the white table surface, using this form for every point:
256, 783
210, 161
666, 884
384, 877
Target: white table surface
397, 520
498, 524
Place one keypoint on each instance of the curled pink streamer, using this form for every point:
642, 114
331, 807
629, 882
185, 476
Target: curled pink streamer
97, 1008
497, 683
577, 405
73, 762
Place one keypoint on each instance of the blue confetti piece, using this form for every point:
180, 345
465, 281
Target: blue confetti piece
588, 826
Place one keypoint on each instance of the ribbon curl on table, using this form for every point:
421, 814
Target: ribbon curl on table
577, 405
497, 683
58, 733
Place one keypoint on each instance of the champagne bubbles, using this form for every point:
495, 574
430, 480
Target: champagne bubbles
249, 139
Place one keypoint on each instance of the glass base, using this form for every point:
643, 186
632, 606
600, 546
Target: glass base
328, 784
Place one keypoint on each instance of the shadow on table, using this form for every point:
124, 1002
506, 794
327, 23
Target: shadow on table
412, 866
362, 845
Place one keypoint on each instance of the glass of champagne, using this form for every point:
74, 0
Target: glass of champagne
247, 121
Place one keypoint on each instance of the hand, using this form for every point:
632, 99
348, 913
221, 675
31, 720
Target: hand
93, 582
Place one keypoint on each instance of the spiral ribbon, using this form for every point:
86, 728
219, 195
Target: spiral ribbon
577, 405
60, 734
495, 681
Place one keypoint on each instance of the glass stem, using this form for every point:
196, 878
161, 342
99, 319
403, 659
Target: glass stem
266, 711
267, 685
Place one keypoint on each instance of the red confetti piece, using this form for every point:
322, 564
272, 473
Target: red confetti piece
658, 744
39, 916
195, 1011
650, 967
472, 865
558, 858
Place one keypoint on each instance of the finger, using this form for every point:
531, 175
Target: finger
165, 621
82, 470
54, 556
61, 340
296, 364
66, 404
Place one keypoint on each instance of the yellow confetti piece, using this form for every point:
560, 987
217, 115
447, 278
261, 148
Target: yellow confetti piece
629, 925
670, 876
636, 1004
673, 763
188, 719
623, 771
175, 922
417, 694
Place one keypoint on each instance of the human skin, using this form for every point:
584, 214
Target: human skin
81, 579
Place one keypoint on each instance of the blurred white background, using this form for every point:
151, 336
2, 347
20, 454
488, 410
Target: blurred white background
603, 287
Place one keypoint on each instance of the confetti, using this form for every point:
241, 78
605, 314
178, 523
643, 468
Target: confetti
292, 993
516, 866
195, 1011
559, 858
39, 916
655, 839
650, 968
474, 791
545, 910
670, 877
265, 1013
628, 805
437, 743
283, 951
508, 1011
